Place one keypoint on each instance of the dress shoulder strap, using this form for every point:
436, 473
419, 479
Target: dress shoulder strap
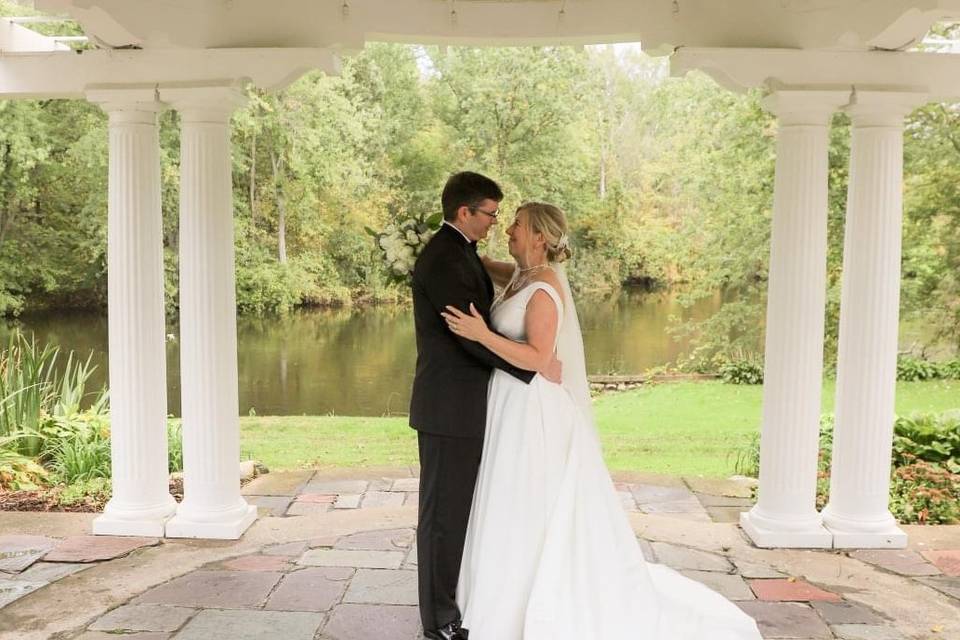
547, 288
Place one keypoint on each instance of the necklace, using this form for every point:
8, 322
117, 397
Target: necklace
521, 277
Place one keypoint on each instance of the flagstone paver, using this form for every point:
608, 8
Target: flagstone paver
651, 494
257, 562
143, 617
902, 561
104, 635
375, 499
252, 625
351, 558
348, 501
308, 508
97, 548
383, 540
786, 620
756, 570
725, 514
384, 622
947, 585
335, 587
693, 559
271, 505
337, 486
787, 590
278, 483
727, 487
47, 571
866, 632
731, 587
947, 560
316, 498
406, 484
294, 549
17, 552
846, 613
227, 589
11, 590
312, 589
708, 500
383, 586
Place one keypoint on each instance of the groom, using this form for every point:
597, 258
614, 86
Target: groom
449, 404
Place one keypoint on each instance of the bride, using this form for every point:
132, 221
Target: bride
550, 553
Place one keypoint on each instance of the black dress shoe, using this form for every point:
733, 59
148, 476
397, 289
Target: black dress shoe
451, 631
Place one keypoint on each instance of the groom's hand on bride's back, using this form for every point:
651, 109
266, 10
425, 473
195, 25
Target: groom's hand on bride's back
554, 371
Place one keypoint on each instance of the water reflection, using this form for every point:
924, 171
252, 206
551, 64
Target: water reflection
360, 362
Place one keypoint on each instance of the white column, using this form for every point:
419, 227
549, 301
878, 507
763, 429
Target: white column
785, 514
212, 506
858, 514
141, 501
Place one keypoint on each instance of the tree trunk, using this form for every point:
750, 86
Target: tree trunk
277, 163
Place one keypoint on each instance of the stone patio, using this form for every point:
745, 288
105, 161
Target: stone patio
333, 557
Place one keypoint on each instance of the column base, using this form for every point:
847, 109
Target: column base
149, 522
849, 533
758, 528
231, 527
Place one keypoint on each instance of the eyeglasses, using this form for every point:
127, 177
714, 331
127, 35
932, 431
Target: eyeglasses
493, 214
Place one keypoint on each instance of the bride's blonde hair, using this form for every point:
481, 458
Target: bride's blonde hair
551, 222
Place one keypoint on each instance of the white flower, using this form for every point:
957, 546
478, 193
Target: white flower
390, 229
412, 237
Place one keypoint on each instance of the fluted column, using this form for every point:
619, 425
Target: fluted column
858, 514
141, 501
785, 514
212, 506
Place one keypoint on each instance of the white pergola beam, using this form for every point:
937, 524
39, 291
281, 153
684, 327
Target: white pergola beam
17, 39
808, 24
934, 74
70, 75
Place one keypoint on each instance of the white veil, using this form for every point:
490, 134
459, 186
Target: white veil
570, 349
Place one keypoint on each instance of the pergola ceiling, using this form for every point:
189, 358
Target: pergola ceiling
658, 24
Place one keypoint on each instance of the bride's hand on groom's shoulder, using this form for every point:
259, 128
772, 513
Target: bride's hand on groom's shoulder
471, 326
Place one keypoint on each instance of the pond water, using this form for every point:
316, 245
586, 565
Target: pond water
361, 361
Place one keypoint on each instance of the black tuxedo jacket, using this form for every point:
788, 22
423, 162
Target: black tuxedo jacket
450, 387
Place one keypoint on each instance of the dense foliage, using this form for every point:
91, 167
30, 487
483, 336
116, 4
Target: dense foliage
925, 466
667, 181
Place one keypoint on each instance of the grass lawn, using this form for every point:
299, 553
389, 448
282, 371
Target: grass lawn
684, 428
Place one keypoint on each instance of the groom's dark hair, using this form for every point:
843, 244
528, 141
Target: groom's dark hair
467, 189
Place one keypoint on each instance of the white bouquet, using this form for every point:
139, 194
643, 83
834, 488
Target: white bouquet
401, 243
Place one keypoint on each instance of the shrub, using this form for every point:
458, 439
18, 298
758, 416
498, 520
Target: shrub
925, 493
911, 369
174, 446
928, 437
32, 393
925, 478
746, 369
95, 492
78, 446
18, 471
950, 369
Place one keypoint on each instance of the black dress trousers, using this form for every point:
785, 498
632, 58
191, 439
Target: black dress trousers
448, 474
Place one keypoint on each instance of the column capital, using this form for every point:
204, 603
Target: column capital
798, 107
213, 104
876, 108
134, 104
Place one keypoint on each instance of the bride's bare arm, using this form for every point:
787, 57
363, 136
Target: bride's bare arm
541, 322
500, 272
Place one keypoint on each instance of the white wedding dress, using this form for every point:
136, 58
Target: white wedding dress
550, 553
